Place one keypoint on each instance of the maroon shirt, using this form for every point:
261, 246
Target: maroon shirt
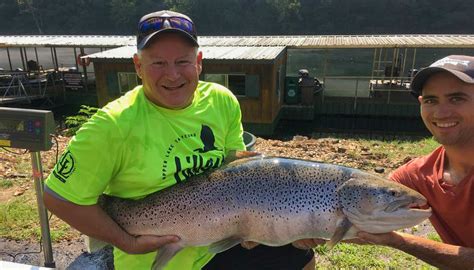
452, 205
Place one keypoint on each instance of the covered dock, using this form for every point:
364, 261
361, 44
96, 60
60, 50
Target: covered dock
50, 68
363, 75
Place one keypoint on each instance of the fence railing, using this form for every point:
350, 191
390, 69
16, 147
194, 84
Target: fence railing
371, 96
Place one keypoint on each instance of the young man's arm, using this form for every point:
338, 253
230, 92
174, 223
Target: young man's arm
438, 254
441, 255
94, 222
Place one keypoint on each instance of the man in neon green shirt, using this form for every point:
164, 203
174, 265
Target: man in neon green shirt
156, 135
160, 133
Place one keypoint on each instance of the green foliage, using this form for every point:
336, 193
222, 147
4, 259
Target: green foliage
241, 17
76, 121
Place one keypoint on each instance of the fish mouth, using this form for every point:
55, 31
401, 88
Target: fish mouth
418, 205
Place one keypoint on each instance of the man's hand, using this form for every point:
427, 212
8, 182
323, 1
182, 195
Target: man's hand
384, 239
147, 243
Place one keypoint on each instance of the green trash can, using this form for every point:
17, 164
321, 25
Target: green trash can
292, 91
249, 140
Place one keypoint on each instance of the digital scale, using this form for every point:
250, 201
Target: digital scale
31, 130
26, 129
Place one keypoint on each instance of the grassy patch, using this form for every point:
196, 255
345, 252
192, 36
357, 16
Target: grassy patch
397, 148
6, 183
19, 219
366, 256
434, 236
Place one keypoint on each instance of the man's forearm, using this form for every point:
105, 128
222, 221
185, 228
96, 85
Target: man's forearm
90, 220
438, 254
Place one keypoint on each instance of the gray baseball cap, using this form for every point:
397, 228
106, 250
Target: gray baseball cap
461, 66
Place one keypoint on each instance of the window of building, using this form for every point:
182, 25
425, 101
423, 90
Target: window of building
127, 81
235, 82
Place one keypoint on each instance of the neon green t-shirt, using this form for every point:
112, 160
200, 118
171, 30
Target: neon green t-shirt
131, 148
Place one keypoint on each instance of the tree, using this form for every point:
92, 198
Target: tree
31, 7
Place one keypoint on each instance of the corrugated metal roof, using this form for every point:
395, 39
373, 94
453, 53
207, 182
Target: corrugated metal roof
241, 53
312, 41
89, 41
209, 53
339, 41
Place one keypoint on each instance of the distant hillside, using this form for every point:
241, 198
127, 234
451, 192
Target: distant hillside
242, 17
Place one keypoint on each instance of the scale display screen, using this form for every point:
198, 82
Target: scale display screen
26, 129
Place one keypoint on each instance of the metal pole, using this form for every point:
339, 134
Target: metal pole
373, 63
9, 59
414, 57
404, 62
37, 59
52, 57
43, 213
84, 69
75, 59
26, 58
22, 59
56, 58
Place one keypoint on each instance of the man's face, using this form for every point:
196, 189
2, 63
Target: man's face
447, 109
169, 69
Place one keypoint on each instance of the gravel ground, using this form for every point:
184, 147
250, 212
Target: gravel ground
28, 252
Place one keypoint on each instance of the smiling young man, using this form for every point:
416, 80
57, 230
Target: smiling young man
446, 176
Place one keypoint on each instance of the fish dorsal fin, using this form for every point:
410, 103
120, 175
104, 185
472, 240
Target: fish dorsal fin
224, 244
342, 228
164, 255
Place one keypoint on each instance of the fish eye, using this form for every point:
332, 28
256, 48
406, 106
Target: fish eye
393, 193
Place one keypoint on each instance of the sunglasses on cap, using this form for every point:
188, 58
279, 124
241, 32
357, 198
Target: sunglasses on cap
154, 24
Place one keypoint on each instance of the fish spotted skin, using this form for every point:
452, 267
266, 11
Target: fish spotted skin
270, 200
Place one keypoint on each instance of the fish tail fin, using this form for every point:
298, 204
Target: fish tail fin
93, 244
341, 230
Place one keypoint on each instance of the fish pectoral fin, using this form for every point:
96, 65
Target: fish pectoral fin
164, 255
224, 244
341, 230
93, 244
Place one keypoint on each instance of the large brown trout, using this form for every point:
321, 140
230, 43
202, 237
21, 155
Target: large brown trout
270, 200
